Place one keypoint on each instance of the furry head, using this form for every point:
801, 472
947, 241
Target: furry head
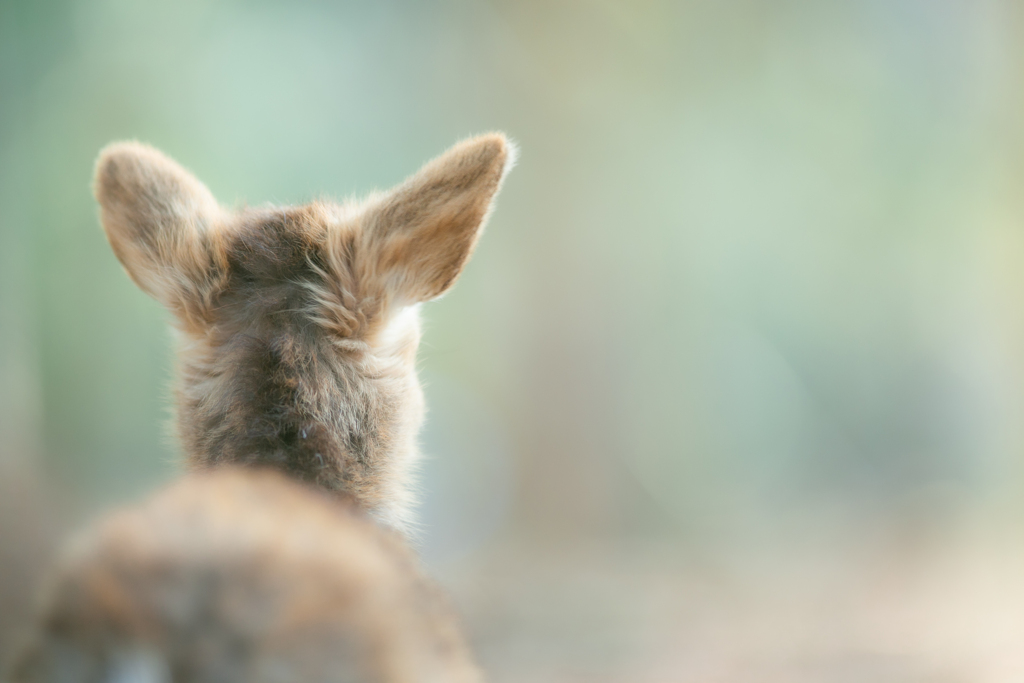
299, 325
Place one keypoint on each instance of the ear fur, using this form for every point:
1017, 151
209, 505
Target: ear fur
160, 221
418, 237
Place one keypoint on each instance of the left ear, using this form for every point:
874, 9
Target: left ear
161, 222
417, 238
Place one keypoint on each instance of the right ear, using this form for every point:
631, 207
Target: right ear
419, 235
160, 221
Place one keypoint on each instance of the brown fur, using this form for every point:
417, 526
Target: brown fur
298, 334
298, 325
242, 576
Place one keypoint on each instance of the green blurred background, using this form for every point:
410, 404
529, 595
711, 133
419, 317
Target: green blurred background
735, 380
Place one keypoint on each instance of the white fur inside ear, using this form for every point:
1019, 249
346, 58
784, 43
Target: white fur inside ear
402, 329
511, 157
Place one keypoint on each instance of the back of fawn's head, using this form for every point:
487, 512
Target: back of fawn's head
299, 325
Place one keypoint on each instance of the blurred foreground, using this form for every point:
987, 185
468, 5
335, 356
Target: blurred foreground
899, 605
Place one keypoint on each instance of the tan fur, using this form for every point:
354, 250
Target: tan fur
298, 326
243, 576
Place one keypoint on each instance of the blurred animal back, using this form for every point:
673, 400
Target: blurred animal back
239, 575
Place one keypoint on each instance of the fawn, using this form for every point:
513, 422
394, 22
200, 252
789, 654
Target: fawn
280, 557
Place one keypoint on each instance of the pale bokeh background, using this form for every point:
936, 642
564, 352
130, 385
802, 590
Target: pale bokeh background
733, 389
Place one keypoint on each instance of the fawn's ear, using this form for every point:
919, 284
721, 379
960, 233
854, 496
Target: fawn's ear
420, 234
159, 220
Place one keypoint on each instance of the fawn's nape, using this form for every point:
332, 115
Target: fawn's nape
298, 326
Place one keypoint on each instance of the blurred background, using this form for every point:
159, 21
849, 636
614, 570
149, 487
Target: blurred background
733, 388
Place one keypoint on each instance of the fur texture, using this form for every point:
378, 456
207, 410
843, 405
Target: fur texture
298, 325
243, 576
298, 408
